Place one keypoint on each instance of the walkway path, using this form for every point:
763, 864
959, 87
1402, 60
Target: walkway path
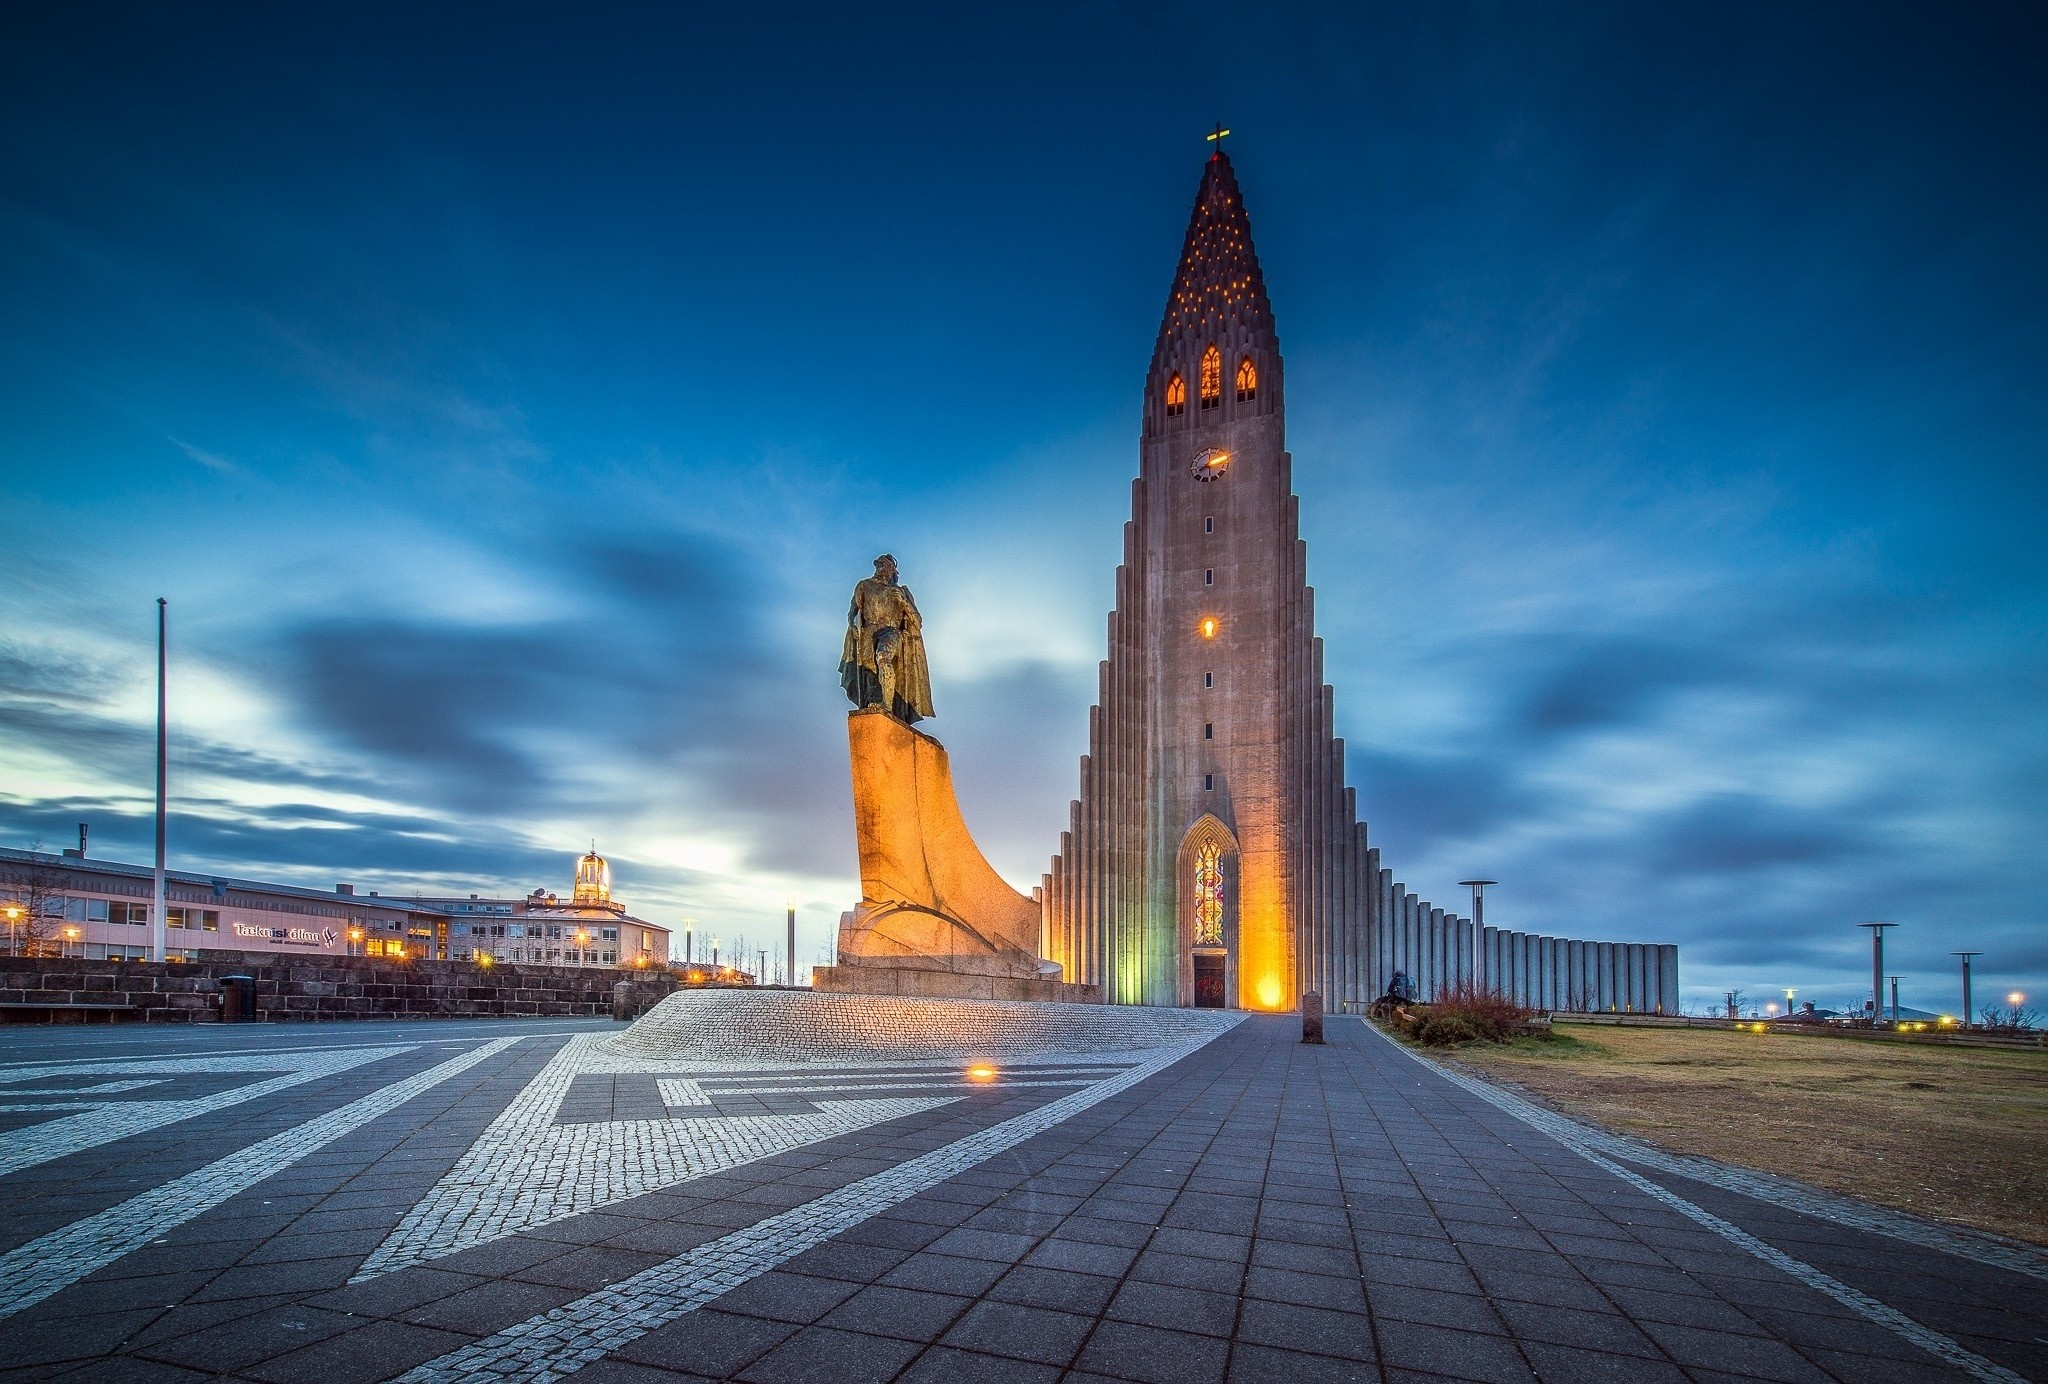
1252, 1210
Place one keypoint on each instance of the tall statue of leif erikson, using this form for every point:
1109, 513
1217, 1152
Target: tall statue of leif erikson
881, 664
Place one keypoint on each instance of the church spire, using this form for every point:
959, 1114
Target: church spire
1217, 314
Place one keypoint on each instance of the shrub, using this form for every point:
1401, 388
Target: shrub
1463, 1014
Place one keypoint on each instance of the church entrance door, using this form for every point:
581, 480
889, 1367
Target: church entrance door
1208, 980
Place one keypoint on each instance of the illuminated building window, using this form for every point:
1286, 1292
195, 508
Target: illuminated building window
1212, 377
1209, 896
1176, 396
1208, 627
1247, 381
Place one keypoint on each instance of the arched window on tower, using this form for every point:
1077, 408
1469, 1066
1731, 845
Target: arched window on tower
1212, 377
1247, 381
1176, 395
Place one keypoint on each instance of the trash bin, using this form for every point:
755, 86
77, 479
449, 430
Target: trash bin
238, 999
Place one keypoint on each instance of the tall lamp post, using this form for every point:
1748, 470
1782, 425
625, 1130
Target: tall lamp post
689, 957
1966, 984
1876, 968
157, 897
1478, 888
1895, 997
1790, 991
790, 969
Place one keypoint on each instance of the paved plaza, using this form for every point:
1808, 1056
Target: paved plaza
513, 1200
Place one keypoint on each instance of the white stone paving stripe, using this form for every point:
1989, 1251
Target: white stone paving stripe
26, 1148
562, 1341
55, 1261
1572, 1136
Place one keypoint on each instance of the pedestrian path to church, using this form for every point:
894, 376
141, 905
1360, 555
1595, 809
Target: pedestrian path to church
536, 1201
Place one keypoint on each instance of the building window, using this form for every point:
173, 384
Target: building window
1212, 377
609, 934
1208, 780
1208, 523
1209, 578
1208, 730
1209, 896
1208, 679
1176, 396
1247, 381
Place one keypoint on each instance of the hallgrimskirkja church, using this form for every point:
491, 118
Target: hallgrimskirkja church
1214, 856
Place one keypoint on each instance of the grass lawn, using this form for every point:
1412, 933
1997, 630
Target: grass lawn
1957, 1134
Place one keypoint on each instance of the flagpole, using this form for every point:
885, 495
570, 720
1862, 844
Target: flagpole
156, 909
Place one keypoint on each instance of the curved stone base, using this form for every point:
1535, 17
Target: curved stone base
935, 984
801, 1026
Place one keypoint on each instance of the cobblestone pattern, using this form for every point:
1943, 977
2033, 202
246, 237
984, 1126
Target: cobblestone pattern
768, 1024
1262, 1210
552, 1154
564, 1340
101, 1123
43, 1266
295, 988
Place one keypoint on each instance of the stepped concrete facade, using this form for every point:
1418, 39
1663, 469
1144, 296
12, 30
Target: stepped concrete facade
1214, 856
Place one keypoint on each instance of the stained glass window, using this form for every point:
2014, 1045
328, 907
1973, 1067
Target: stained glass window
1209, 896
1212, 377
1247, 381
1176, 396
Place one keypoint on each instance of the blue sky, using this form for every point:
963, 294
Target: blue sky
506, 398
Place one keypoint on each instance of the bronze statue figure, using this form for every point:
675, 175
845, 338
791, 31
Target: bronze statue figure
881, 664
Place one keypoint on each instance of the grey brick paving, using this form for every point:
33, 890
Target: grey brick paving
1257, 1210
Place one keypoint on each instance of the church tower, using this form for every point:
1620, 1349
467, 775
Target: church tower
1215, 856
1198, 863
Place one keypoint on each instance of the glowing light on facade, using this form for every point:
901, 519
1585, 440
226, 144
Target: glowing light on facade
1247, 381
1176, 396
1212, 377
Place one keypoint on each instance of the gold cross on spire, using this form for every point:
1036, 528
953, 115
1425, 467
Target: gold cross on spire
1215, 136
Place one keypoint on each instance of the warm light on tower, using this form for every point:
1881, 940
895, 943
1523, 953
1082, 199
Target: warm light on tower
1209, 626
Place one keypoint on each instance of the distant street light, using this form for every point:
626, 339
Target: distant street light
2015, 999
1966, 983
1478, 888
1790, 991
1876, 968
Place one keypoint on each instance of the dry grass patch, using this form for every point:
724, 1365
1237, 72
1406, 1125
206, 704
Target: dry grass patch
1958, 1134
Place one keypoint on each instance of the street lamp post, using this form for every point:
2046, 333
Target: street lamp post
1895, 998
1876, 968
688, 925
1966, 955
790, 969
1790, 991
1478, 888
157, 900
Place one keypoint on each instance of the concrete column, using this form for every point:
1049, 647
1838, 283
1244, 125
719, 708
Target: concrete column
1667, 979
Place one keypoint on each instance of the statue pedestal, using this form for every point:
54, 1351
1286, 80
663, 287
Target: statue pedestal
935, 919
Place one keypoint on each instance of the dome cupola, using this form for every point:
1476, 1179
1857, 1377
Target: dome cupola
593, 881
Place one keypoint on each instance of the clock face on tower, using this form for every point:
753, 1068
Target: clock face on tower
1211, 464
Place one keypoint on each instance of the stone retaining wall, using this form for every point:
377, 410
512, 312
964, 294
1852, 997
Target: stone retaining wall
290, 987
